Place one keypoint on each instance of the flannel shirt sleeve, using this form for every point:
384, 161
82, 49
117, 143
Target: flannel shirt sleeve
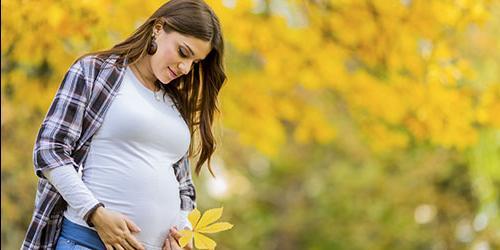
61, 127
186, 187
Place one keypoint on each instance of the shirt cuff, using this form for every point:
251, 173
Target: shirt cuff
88, 214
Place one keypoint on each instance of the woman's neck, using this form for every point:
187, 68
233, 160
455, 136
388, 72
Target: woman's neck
146, 73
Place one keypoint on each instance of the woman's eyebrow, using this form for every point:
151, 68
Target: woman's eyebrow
190, 50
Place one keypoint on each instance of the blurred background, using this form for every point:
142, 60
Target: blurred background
345, 124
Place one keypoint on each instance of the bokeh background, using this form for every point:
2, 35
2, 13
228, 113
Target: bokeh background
345, 124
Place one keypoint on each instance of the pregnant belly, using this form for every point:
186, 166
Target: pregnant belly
148, 196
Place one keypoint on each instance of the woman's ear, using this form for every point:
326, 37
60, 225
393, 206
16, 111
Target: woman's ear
157, 28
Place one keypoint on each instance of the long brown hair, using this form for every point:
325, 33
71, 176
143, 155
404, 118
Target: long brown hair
195, 94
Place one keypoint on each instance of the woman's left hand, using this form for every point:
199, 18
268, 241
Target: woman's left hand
172, 241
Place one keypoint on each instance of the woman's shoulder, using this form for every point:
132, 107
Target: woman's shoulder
97, 60
92, 65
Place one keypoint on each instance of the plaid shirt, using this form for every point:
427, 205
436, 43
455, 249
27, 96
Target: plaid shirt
76, 113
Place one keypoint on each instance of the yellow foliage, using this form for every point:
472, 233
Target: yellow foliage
489, 107
313, 126
394, 70
376, 55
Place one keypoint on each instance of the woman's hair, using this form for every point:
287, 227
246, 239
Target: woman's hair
195, 94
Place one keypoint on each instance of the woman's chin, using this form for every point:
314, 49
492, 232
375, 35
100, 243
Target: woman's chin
164, 80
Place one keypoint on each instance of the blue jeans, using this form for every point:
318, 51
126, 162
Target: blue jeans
74, 236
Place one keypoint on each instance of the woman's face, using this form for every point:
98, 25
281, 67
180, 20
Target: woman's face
176, 53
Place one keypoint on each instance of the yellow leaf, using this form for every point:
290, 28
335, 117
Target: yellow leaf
187, 235
203, 242
194, 216
216, 227
208, 217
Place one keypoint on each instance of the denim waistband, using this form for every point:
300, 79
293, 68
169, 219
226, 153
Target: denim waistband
81, 235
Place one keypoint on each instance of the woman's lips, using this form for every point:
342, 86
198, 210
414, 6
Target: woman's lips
172, 74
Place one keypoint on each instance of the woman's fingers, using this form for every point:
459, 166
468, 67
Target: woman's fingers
175, 233
118, 247
166, 245
134, 242
131, 225
108, 247
174, 244
171, 244
174, 237
129, 238
172, 241
126, 245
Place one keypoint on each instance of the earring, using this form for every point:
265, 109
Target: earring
152, 46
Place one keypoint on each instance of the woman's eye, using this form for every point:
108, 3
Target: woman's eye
182, 53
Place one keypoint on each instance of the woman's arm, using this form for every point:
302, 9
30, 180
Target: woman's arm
59, 133
62, 126
69, 184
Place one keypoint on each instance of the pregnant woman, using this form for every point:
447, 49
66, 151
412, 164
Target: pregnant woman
112, 152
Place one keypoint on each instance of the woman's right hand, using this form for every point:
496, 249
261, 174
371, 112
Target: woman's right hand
115, 230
